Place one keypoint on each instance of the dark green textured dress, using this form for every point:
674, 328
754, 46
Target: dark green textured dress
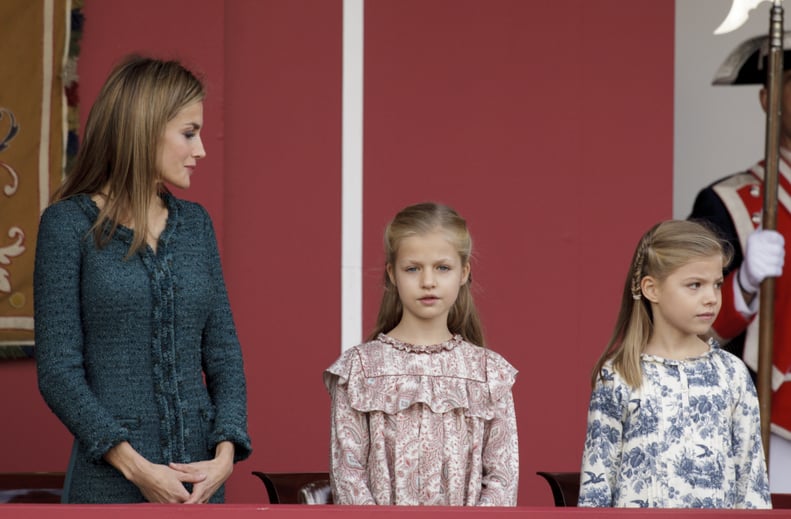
123, 345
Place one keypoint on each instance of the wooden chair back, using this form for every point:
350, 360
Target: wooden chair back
285, 487
565, 487
31, 487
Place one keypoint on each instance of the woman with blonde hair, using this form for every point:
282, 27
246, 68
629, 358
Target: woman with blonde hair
136, 348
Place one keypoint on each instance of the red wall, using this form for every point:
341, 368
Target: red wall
547, 124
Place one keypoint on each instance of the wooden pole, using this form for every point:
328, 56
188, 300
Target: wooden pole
774, 86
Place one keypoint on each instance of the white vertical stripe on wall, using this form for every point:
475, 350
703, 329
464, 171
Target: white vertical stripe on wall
46, 104
352, 173
718, 130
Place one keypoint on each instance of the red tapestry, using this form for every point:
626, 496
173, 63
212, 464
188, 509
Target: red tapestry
38, 69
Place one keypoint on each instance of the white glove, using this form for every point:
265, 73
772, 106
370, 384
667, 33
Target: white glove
764, 256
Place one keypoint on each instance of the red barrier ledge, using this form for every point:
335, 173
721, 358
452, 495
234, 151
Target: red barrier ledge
265, 511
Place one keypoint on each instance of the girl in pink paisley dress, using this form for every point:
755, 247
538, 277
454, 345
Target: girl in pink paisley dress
422, 413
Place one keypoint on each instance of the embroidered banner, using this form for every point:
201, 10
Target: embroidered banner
34, 36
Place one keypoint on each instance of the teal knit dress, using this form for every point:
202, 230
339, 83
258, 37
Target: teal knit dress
140, 349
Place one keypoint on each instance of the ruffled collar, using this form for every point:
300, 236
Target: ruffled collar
712, 343
124, 233
421, 348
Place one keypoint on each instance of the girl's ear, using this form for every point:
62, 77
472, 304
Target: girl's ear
649, 286
390, 274
465, 274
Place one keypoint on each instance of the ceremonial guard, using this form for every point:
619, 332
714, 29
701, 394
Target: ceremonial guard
734, 205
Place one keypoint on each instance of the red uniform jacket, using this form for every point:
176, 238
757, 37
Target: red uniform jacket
734, 205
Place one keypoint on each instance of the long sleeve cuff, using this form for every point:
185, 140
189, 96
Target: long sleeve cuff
747, 311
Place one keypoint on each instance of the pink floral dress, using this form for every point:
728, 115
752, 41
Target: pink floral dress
423, 425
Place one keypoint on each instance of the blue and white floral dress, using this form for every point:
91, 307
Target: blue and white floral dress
689, 437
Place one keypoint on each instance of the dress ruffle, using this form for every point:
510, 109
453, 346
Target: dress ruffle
390, 376
420, 348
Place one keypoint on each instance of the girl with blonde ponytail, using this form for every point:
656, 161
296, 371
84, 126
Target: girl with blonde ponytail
673, 419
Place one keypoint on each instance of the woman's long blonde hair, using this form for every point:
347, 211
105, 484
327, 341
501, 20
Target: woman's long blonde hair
663, 249
122, 136
422, 219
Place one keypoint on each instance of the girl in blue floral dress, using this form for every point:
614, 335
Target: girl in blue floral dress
673, 419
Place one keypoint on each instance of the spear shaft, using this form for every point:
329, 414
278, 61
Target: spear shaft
766, 318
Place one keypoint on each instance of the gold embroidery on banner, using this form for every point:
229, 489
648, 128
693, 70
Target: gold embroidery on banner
15, 249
